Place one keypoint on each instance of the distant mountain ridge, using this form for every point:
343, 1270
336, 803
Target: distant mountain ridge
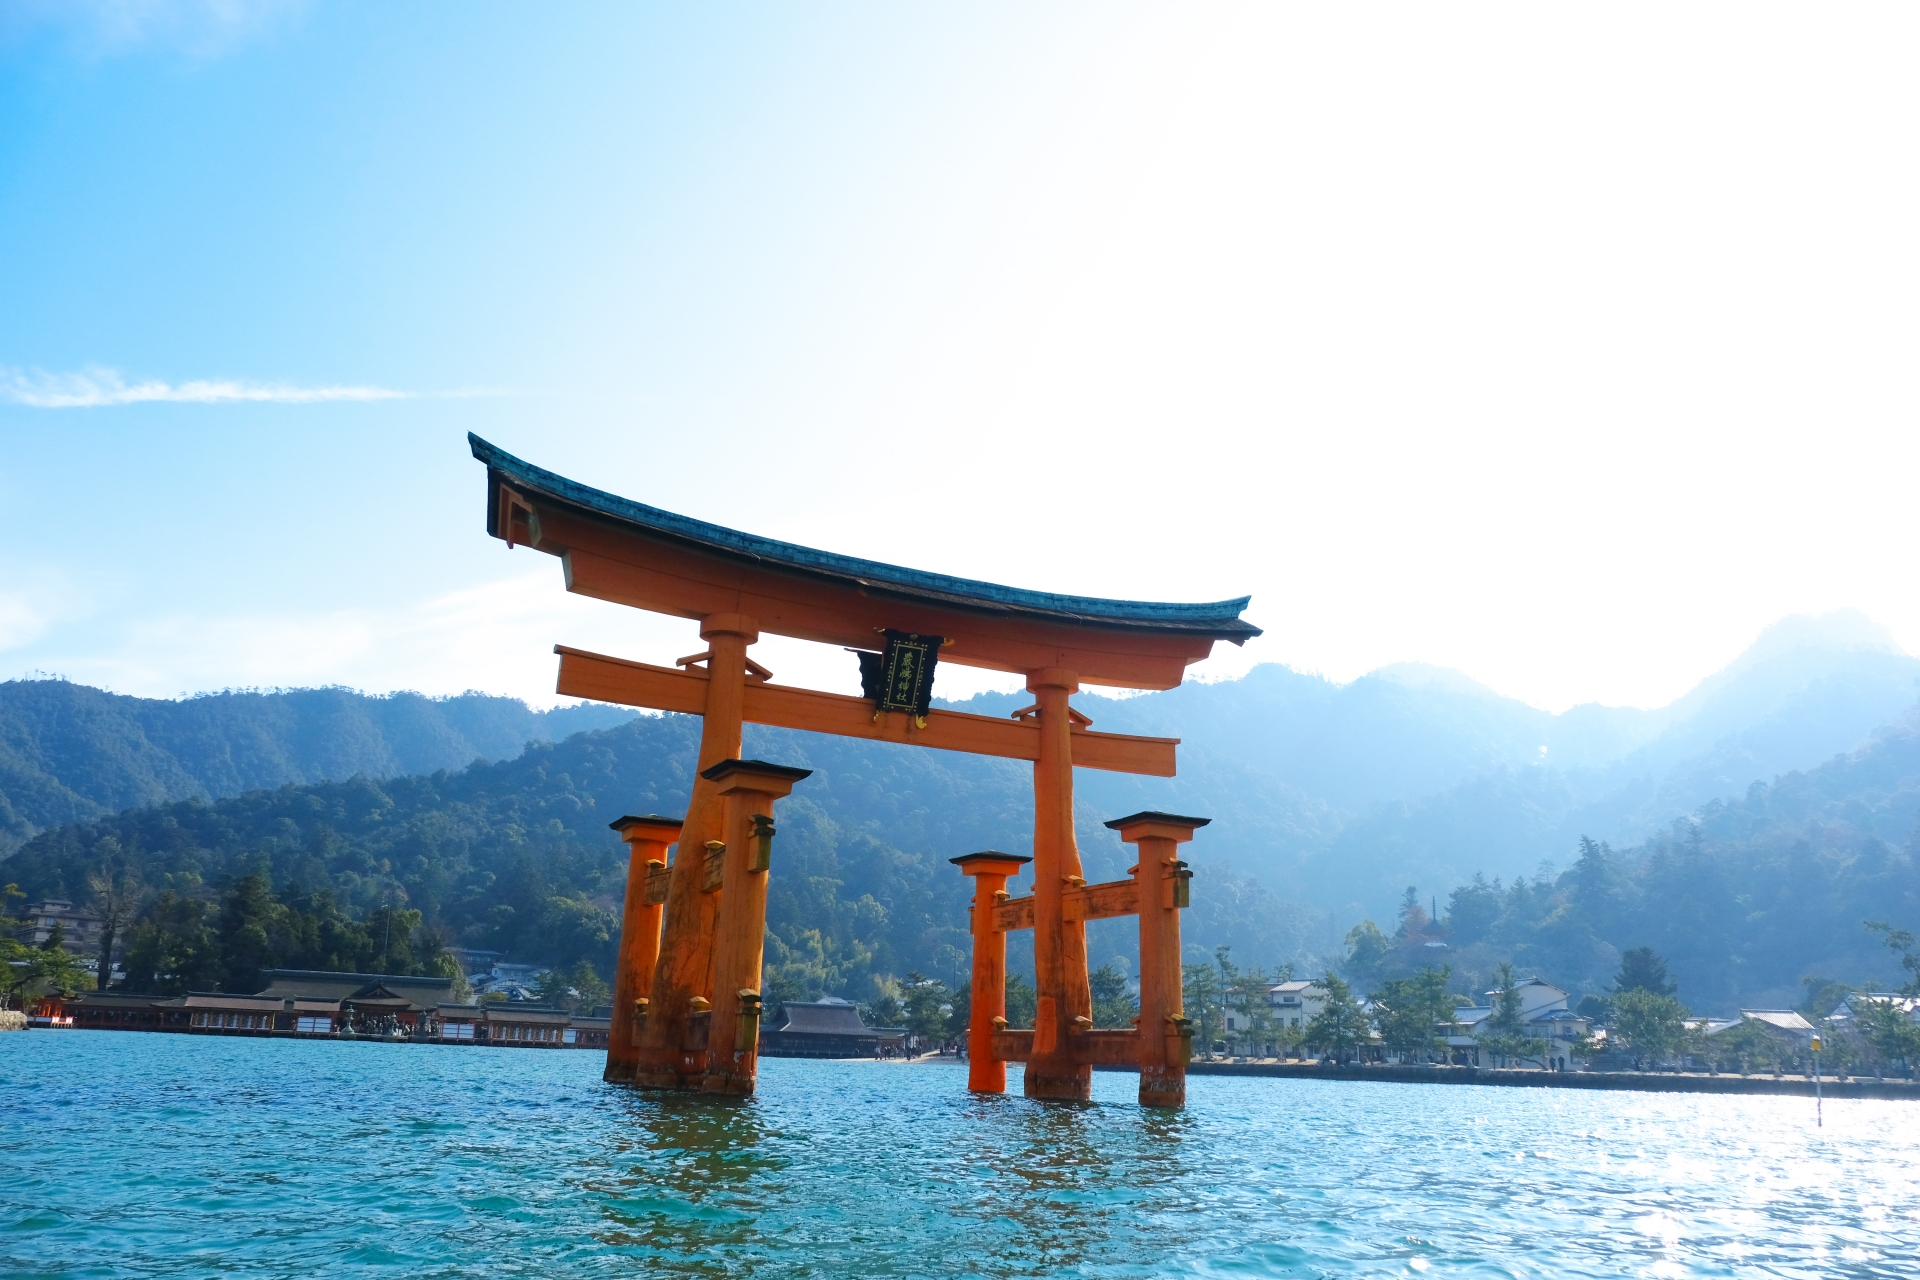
1342, 795
1798, 763
1778, 710
1335, 796
71, 753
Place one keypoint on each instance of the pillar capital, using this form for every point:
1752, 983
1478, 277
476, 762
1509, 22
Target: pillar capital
774, 780
1154, 825
647, 826
1053, 678
730, 624
990, 862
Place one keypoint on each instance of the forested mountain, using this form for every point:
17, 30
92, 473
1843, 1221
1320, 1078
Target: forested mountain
1328, 801
1745, 898
69, 753
1769, 714
1337, 796
518, 856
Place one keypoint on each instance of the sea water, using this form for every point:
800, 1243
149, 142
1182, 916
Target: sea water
167, 1155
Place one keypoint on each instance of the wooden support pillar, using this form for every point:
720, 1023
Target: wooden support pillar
986, 1070
673, 1044
648, 838
1160, 880
1059, 945
748, 788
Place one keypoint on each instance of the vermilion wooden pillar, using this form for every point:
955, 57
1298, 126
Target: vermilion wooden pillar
986, 1071
1059, 945
672, 1045
1160, 880
648, 838
749, 788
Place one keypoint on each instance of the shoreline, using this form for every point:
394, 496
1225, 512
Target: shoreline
1376, 1073
1513, 1078
1631, 1081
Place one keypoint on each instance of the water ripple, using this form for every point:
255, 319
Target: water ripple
151, 1155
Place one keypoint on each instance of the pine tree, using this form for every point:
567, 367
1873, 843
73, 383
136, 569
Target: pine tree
1341, 1026
1642, 970
1200, 993
1503, 1034
1114, 1004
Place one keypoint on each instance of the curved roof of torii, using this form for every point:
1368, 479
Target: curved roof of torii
629, 553
1220, 619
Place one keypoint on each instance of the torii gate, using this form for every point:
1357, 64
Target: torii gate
686, 987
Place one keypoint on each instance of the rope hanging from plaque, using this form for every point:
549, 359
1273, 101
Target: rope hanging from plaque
901, 678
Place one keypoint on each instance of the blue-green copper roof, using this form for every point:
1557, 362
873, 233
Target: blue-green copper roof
1220, 619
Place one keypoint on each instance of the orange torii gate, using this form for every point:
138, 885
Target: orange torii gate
687, 984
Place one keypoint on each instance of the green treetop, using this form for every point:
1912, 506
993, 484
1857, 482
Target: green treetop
1114, 1004
1503, 1034
1648, 1025
1642, 970
1408, 1011
1341, 1026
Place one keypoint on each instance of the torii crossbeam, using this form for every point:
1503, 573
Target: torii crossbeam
686, 988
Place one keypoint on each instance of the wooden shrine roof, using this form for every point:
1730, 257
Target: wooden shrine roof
822, 1018
556, 496
419, 991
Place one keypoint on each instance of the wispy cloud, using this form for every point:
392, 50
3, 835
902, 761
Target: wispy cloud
199, 29
101, 388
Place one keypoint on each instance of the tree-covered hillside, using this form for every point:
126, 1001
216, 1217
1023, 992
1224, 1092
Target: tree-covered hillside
1746, 898
1327, 801
517, 856
69, 753
1776, 711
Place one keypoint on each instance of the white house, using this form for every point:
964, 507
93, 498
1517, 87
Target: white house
1846, 1008
1294, 1004
1536, 997
1543, 1007
1787, 1021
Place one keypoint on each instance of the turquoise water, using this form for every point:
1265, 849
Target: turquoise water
157, 1155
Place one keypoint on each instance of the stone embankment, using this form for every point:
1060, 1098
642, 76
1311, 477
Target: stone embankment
12, 1020
1645, 1081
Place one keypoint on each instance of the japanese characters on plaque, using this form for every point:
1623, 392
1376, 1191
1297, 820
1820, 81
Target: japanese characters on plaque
901, 678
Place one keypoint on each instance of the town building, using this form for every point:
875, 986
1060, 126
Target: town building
1295, 1003
1848, 1007
473, 962
1787, 1024
1789, 1034
518, 982
81, 930
1543, 1010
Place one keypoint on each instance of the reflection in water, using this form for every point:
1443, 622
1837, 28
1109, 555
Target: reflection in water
679, 1185
702, 1187
1082, 1181
1039, 1188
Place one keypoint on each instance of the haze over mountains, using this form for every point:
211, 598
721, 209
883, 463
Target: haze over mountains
1328, 801
1341, 795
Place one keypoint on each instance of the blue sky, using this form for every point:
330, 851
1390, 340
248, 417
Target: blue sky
1566, 349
